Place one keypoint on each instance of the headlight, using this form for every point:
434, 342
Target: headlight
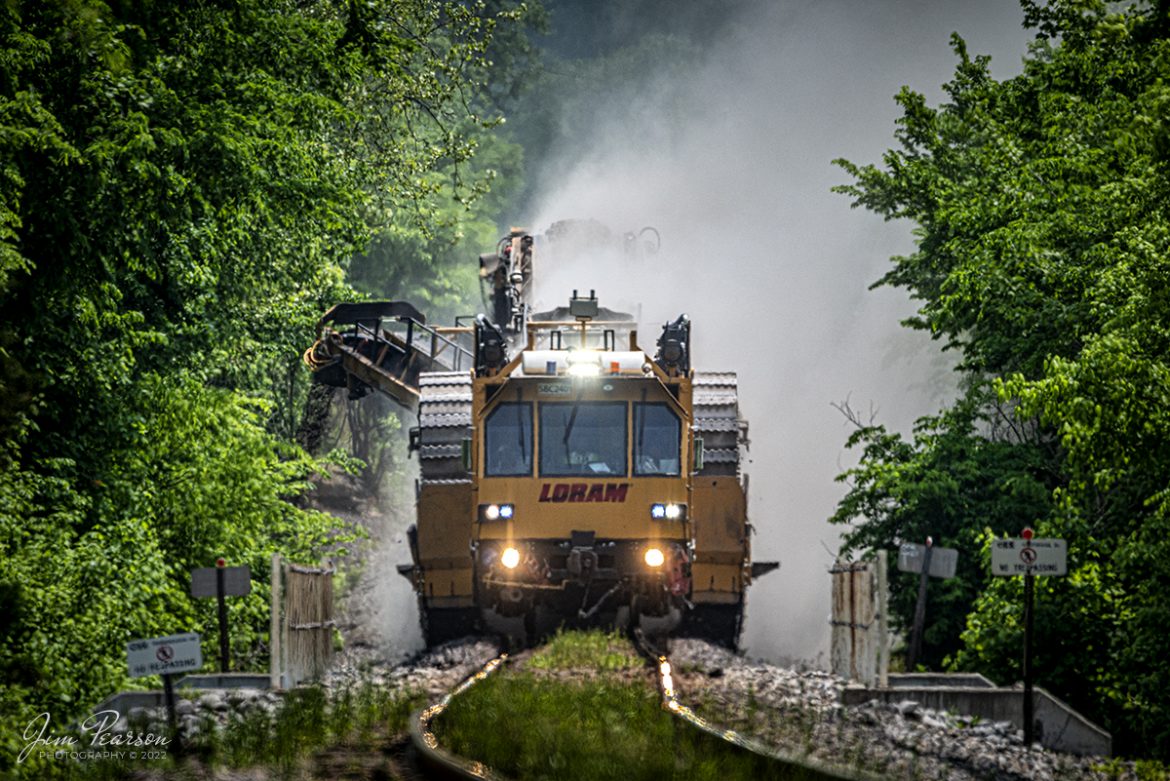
511, 558
491, 512
653, 557
658, 511
584, 363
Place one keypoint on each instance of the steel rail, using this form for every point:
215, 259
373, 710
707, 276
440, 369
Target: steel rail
803, 768
425, 741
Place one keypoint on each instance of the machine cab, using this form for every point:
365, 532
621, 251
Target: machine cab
583, 458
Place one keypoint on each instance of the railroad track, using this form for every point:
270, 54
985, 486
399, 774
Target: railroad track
434, 757
803, 768
446, 764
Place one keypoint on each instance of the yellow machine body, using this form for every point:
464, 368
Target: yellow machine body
567, 477
592, 507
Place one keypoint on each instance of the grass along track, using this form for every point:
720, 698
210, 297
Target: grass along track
587, 706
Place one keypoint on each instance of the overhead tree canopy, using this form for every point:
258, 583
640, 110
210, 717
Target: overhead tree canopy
1042, 256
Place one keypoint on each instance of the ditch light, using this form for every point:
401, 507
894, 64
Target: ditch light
496, 512
668, 512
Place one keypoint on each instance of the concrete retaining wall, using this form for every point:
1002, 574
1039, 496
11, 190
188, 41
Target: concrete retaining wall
1057, 726
156, 698
224, 681
931, 680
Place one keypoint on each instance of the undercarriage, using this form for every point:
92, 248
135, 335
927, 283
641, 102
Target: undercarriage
579, 583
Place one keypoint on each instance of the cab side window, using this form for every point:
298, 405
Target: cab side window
657, 440
508, 440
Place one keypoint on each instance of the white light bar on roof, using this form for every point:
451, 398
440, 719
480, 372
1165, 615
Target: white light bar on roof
549, 362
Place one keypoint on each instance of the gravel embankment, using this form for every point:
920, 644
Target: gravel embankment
801, 713
798, 712
432, 674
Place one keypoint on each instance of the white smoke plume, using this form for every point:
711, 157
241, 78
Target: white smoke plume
730, 160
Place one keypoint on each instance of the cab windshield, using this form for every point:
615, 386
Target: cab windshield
583, 439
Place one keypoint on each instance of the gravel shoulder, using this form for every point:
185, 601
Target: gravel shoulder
801, 712
431, 673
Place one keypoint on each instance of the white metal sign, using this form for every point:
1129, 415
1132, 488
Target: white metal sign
1022, 557
942, 560
164, 655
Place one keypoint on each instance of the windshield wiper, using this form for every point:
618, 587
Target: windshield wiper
640, 410
520, 441
572, 418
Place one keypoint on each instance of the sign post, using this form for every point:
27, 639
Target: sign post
1029, 597
219, 582
883, 621
224, 662
1028, 557
172, 716
930, 562
920, 609
166, 656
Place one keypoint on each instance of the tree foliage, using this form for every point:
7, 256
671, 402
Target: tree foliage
1042, 246
182, 186
964, 469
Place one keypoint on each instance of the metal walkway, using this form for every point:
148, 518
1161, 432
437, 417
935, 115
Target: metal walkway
369, 355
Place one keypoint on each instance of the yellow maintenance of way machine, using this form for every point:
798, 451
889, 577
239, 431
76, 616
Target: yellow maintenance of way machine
567, 476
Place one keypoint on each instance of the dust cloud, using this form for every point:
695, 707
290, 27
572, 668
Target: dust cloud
729, 157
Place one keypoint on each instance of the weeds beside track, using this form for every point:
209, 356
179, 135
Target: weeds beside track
581, 709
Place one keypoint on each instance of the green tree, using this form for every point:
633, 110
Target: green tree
968, 467
182, 186
1042, 246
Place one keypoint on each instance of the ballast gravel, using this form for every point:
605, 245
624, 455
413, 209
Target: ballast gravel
796, 712
431, 674
800, 713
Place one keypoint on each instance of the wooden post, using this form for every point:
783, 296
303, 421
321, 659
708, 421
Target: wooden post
275, 626
883, 622
863, 615
838, 649
851, 651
